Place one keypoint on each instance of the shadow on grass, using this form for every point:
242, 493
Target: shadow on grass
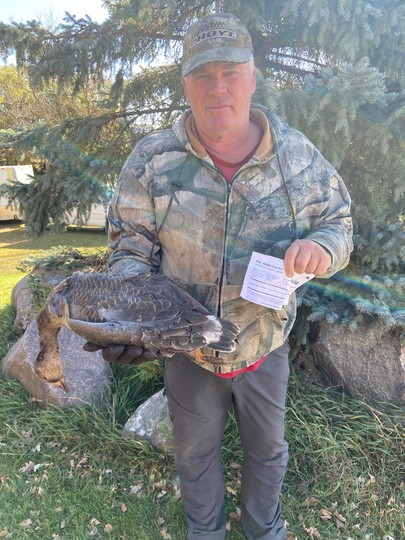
14, 236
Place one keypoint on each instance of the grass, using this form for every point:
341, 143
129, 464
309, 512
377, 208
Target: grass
15, 246
71, 475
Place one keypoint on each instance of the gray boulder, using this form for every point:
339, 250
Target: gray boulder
87, 375
368, 362
151, 422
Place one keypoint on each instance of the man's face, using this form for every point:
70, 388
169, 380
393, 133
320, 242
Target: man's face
219, 94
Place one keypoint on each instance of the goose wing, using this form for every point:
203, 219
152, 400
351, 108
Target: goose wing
99, 297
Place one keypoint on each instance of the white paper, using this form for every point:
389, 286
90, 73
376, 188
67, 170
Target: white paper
266, 284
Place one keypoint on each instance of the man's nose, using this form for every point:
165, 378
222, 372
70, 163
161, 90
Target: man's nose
217, 85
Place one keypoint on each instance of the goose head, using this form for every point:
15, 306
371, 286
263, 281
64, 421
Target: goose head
48, 366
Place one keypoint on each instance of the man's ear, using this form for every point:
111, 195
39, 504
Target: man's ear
254, 81
184, 83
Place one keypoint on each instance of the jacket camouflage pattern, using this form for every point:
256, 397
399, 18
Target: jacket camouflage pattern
175, 212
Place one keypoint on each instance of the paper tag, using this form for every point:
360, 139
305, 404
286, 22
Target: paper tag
266, 284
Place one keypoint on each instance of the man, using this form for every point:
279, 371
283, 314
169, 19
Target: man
194, 202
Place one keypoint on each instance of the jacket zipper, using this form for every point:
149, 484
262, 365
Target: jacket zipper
222, 274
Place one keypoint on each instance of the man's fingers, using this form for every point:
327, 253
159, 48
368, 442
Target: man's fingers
91, 347
323, 266
129, 354
112, 352
303, 261
306, 256
121, 354
289, 259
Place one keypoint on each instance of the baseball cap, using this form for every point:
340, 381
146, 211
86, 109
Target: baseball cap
215, 38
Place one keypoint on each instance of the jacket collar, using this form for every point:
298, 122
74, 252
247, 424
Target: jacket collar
185, 132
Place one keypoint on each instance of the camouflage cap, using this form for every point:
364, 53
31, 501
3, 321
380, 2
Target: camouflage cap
215, 38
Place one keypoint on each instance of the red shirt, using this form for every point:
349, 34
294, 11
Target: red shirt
252, 367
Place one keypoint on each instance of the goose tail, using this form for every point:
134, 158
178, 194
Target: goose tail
221, 335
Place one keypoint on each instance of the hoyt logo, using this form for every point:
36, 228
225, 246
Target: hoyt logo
212, 34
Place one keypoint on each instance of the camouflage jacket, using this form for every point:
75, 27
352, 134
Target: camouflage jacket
174, 213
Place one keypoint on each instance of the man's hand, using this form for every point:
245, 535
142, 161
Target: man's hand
306, 256
122, 354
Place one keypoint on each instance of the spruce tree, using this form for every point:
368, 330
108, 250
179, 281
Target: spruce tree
333, 69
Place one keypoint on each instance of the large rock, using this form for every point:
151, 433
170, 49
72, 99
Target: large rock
367, 362
86, 375
151, 422
22, 297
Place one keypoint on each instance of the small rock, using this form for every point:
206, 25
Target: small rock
151, 422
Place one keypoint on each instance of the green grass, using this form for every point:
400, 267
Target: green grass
71, 475
15, 246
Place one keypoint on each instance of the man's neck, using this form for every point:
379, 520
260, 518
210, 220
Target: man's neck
233, 148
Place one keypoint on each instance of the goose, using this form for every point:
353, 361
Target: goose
147, 310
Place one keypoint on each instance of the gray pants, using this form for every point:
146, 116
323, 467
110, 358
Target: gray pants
199, 402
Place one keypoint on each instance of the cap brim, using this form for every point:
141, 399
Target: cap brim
239, 55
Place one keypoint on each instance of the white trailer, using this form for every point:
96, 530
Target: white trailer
10, 174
